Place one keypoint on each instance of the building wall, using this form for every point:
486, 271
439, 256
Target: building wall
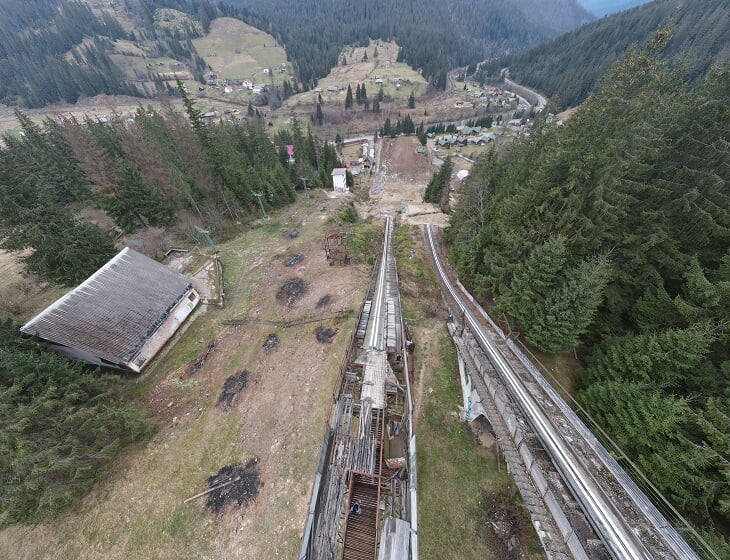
339, 182
158, 339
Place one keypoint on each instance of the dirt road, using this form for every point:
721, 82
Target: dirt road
400, 181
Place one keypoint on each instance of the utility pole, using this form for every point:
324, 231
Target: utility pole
206, 234
263, 210
306, 191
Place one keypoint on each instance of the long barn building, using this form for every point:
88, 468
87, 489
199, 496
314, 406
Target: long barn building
121, 316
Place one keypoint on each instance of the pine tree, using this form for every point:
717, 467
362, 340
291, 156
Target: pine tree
348, 97
62, 425
438, 186
533, 280
411, 101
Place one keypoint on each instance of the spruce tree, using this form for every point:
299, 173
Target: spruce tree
569, 310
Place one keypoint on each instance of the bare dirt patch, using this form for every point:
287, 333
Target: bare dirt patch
400, 182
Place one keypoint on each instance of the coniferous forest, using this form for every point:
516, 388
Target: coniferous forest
610, 234
568, 67
60, 426
434, 36
35, 35
141, 172
61, 50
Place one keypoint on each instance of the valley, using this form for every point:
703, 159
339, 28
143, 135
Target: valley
596, 237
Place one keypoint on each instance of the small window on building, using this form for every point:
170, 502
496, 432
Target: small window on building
192, 296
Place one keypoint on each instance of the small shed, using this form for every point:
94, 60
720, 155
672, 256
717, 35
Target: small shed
120, 316
339, 179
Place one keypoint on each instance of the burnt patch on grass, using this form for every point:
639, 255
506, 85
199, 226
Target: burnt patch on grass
294, 259
237, 484
291, 291
324, 301
271, 342
325, 334
199, 362
232, 386
505, 522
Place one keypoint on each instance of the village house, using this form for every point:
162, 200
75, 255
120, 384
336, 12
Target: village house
355, 167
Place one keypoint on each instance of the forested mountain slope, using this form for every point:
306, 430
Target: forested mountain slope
54, 50
568, 67
435, 35
611, 234
35, 36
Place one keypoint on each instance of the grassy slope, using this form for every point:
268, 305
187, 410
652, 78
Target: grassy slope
137, 512
236, 50
458, 480
357, 71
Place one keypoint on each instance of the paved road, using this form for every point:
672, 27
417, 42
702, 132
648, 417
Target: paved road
541, 101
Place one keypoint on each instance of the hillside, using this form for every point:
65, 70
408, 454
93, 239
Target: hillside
568, 67
609, 236
61, 50
435, 36
601, 8
44, 49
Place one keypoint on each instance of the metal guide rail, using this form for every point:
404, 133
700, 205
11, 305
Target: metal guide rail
618, 527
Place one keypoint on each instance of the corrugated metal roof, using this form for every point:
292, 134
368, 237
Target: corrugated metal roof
115, 310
